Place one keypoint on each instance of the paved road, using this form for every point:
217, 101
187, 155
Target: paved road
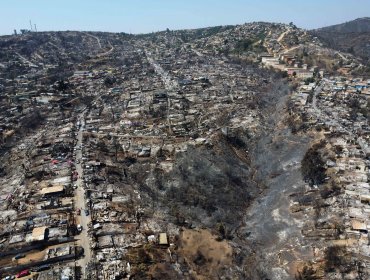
79, 198
314, 99
170, 84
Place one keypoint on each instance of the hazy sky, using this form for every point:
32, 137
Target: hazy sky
141, 16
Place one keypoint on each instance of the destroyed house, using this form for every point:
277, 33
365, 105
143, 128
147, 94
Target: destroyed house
53, 191
40, 233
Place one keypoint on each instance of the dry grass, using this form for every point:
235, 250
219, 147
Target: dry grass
203, 253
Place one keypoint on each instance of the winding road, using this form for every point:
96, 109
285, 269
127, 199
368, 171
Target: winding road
96, 38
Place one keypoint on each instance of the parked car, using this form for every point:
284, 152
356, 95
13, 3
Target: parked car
87, 212
78, 211
23, 273
79, 227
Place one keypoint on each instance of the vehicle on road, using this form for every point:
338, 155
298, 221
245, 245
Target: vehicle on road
19, 256
79, 227
87, 212
78, 211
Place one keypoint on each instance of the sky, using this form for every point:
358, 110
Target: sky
144, 16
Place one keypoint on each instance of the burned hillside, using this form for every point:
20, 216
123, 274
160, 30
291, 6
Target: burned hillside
208, 186
224, 152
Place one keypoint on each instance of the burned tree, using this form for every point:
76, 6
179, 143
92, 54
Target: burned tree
313, 165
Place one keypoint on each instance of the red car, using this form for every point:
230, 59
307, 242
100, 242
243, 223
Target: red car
78, 211
23, 273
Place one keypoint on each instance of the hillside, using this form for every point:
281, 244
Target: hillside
359, 25
352, 37
210, 153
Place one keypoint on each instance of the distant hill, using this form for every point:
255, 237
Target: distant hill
352, 37
359, 25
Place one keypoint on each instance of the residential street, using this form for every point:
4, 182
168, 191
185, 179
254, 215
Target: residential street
84, 221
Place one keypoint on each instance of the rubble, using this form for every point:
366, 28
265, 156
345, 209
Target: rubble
129, 157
